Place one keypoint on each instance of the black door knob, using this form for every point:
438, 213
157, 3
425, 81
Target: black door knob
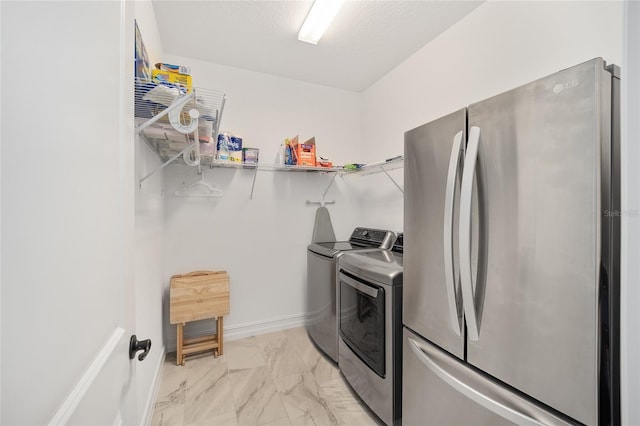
135, 346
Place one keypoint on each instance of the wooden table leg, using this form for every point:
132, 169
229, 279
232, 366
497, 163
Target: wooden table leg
180, 344
220, 337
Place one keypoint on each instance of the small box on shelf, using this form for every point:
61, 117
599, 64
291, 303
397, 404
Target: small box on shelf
160, 77
305, 152
250, 155
179, 69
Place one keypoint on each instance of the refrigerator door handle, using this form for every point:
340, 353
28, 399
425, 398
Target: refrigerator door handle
451, 278
466, 193
482, 390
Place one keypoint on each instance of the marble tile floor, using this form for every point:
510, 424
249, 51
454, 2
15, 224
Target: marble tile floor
273, 379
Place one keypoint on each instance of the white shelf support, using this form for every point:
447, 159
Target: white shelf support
319, 203
216, 128
322, 201
382, 166
253, 183
392, 179
329, 186
166, 163
173, 111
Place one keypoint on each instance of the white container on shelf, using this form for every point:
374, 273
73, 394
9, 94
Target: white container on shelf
279, 161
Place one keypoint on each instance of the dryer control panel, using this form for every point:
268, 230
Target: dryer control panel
378, 238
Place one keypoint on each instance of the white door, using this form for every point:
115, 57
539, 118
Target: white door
67, 213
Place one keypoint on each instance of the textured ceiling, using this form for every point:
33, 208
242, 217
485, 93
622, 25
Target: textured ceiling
365, 41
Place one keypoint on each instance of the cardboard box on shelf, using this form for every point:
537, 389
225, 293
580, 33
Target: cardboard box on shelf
250, 155
159, 76
306, 152
180, 69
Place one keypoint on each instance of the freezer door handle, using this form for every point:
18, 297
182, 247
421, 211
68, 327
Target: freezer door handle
464, 244
486, 392
451, 278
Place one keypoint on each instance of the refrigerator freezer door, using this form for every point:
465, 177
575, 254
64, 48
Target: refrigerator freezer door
426, 307
539, 197
442, 390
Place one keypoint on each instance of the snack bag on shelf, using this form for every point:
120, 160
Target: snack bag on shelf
290, 158
235, 148
324, 162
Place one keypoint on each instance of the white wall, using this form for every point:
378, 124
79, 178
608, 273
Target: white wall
498, 46
262, 241
149, 241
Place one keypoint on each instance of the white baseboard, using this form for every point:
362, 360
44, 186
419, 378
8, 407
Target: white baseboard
147, 416
240, 331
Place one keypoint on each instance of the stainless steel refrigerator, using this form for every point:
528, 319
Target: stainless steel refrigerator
511, 260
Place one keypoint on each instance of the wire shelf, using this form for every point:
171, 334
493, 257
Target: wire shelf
171, 119
379, 167
151, 99
164, 116
274, 167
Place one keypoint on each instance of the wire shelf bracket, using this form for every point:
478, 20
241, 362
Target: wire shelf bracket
323, 201
253, 183
382, 167
392, 179
166, 163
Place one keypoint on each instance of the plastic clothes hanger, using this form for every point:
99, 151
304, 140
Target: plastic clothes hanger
199, 188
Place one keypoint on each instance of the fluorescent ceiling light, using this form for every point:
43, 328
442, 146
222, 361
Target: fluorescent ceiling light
320, 16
